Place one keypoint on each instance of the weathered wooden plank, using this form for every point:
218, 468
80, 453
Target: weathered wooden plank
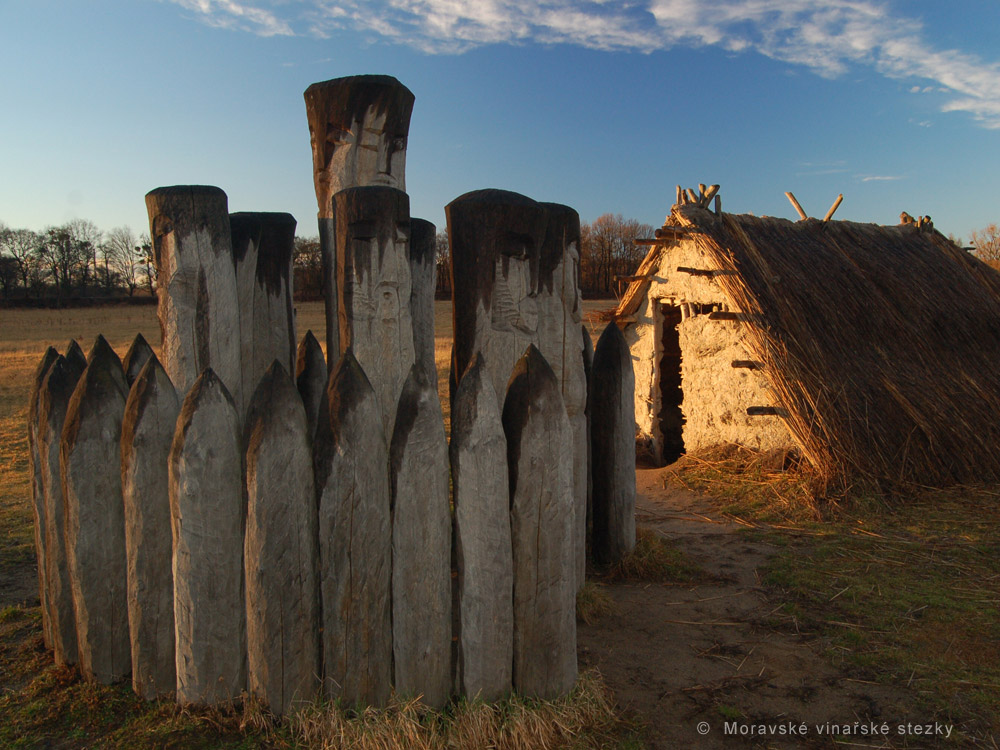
421, 544
95, 516
358, 128
262, 245
542, 522
198, 307
483, 556
37, 492
54, 394
281, 548
373, 228
355, 536
310, 378
588, 365
205, 474
147, 432
612, 415
560, 315
423, 279
139, 352
496, 238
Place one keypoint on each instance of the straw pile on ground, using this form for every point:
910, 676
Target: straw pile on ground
882, 343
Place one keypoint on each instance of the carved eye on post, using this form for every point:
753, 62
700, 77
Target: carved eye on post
403, 231
361, 230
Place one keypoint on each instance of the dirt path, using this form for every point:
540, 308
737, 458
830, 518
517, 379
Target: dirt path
684, 656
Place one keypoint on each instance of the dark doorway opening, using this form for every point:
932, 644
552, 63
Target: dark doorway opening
670, 418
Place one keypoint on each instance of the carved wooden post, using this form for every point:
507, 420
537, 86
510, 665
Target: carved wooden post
373, 233
262, 255
90, 456
355, 541
206, 517
147, 433
423, 279
53, 398
540, 462
421, 544
37, 491
495, 238
485, 615
310, 378
198, 307
560, 315
280, 553
612, 414
358, 128
136, 357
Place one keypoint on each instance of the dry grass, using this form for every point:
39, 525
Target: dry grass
655, 560
593, 602
771, 487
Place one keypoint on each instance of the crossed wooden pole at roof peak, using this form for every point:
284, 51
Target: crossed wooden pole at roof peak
802, 214
701, 198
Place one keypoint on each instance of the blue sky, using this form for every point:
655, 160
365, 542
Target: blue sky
604, 105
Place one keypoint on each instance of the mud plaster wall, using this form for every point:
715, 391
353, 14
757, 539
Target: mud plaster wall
715, 394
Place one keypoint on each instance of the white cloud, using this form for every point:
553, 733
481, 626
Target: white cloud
879, 178
230, 14
828, 37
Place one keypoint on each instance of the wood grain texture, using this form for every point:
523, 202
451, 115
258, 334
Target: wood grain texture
483, 556
310, 379
147, 432
421, 544
262, 245
53, 398
198, 306
612, 413
205, 473
37, 492
423, 279
542, 522
281, 547
355, 536
560, 315
139, 352
90, 456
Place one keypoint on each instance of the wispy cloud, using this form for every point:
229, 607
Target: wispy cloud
828, 37
879, 178
230, 14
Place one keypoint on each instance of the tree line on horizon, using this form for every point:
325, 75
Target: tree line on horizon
79, 260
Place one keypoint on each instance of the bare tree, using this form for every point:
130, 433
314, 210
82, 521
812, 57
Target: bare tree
307, 262
22, 247
986, 242
607, 251
123, 254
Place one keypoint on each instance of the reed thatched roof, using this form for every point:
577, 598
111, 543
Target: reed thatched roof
881, 342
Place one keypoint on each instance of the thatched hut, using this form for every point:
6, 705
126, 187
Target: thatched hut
874, 351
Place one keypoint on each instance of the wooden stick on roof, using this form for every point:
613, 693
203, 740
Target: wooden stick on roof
796, 206
834, 207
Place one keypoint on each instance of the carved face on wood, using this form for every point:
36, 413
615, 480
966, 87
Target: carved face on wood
373, 234
496, 239
358, 127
